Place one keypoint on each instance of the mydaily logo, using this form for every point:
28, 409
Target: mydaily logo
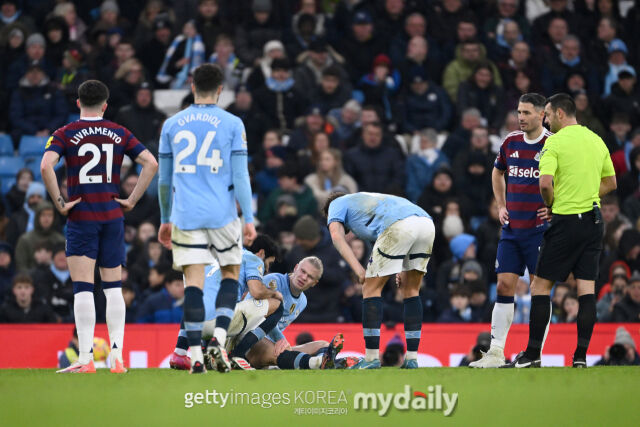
434, 400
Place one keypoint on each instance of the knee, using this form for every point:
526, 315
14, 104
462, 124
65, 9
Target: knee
505, 288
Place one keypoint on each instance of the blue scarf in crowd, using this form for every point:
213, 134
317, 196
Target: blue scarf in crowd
61, 275
279, 86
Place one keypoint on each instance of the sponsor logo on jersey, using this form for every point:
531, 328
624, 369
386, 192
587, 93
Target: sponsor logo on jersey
519, 172
293, 307
48, 142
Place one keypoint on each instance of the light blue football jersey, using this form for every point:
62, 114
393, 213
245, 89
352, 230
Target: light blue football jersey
201, 139
252, 268
292, 306
369, 214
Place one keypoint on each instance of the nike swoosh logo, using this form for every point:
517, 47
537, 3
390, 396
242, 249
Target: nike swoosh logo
523, 365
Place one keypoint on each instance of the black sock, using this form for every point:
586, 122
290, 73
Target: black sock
586, 321
182, 342
371, 321
193, 314
270, 322
293, 360
412, 322
538, 319
225, 303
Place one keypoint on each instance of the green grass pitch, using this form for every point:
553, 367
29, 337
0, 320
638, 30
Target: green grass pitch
156, 397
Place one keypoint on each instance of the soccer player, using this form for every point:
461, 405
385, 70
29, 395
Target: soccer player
523, 216
94, 149
403, 234
274, 349
255, 262
203, 171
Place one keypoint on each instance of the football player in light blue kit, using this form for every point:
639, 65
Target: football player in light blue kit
403, 234
273, 348
203, 171
255, 262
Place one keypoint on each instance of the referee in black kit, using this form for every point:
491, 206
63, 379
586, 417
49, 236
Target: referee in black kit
575, 171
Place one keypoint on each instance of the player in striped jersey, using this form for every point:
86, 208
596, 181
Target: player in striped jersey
93, 149
523, 216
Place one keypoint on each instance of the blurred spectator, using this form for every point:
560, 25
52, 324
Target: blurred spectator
43, 230
617, 62
152, 256
479, 302
288, 184
225, 57
424, 105
184, 55
146, 210
37, 108
585, 115
444, 20
273, 49
75, 25
16, 195
260, 27
463, 248
374, 166
280, 226
70, 76
488, 235
628, 309
53, 284
468, 55
56, 33
329, 176
145, 24
275, 158
361, 45
499, 49
481, 92
106, 63
152, 51
22, 307
597, 50
483, 341
278, 100
608, 301
422, 165
142, 117
379, 87
302, 137
522, 301
130, 302
210, 24
459, 310
164, 306
459, 138
333, 91
254, 122
624, 98
23, 220
110, 19
300, 36
419, 61
324, 298
623, 352
12, 16
345, 120
415, 28
479, 145
506, 11
559, 10
618, 137
393, 354
560, 291
434, 196
7, 270
569, 312
631, 180
129, 77
310, 7
475, 183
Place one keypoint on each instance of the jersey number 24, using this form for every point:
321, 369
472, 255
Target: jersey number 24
214, 162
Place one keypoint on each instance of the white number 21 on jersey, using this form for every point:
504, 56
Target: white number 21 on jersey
214, 162
86, 149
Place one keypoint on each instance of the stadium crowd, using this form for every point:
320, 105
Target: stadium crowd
407, 97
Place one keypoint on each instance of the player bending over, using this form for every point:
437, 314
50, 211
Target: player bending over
203, 171
255, 262
403, 234
94, 149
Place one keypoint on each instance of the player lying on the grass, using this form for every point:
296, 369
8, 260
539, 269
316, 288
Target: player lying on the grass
403, 234
255, 262
273, 348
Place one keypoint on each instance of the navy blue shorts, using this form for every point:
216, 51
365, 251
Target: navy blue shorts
103, 242
517, 251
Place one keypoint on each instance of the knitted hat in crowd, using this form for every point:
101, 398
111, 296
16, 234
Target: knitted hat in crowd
261, 6
306, 228
624, 337
36, 38
109, 6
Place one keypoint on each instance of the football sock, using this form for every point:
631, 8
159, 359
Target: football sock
84, 311
538, 319
412, 325
182, 345
501, 319
298, 360
586, 320
371, 321
270, 322
225, 303
546, 331
115, 314
193, 319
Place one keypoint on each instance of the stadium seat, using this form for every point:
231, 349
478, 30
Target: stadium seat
6, 145
6, 184
34, 166
32, 146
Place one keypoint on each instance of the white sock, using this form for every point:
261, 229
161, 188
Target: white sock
411, 355
84, 310
116, 311
221, 335
315, 362
180, 351
501, 319
546, 331
196, 354
371, 354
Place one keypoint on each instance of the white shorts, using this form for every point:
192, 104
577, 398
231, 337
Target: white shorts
208, 245
404, 246
247, 316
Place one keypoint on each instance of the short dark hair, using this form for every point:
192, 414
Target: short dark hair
93, 93
207, 78
538, 101
609, 199
43, 244
22, 278
332, 197
267, 244
172, 276
564, 102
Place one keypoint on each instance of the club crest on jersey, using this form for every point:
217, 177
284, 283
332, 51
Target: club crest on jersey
537, 157
272, 285
293, 307
260, 269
